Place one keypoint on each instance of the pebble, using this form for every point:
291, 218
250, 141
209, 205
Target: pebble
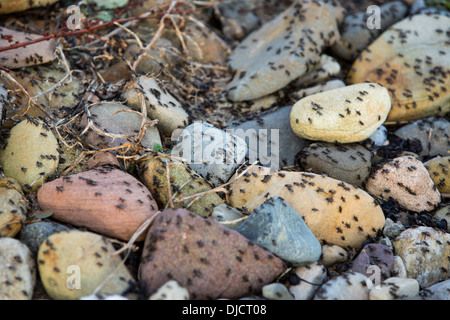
443, 214
161, 104
377, 139
321, 87
356, 36
237, 22
13, 207
395, 288
374, 255
439, 291
116, 119
184, 182
64, 258
22, 5
264, 64
228, 216
17, 270
104, 200
351, 163
344, 115
399, 269
277, 227
405, 59
209, 260
31, 154
348, 286
439, 170
34, 234
392, 229
310, 278
406, 180
335, 212
40, 79
171, 290
211, 152
425, 252
326, 68
332, 254
288, 142
276, 291
433, 134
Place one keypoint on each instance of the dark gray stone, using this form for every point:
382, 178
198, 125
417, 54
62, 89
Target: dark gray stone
35, 233
277, 227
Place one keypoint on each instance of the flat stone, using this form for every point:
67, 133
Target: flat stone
439, 170
264, 63
64, 258
209, 260
211, 152
344, 115
407, 181
160, 103
351, 163
321, 87
332, 254
228, 216
335, 212
425, 252
395, 288
411, 59
433, 134
17, 270
392, 229
277, 227
278, 145
439, 291
117, 120
104, 200
349, 286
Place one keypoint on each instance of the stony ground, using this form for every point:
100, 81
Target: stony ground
351, 202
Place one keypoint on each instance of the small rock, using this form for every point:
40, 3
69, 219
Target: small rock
34, 234
209, 260
326, 68
399, 269
102, 158
228, 216
392, 229
105, 200
349, 286
425, 252
344, 115
263, 63
13, 207
237, 22
443, 214
17, 270
74, 264
406, 180
213, 153
321, 87
266, 127
31, 154
350, 163
374, 255
439, 291
355, 34
184, 182
377, 139
18, 58
277, 227
433, 134
117, 120
161, 104
171, 290
395, 288
410, 58
310, 278
335, 212
276, 291
332, 254
439, 170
